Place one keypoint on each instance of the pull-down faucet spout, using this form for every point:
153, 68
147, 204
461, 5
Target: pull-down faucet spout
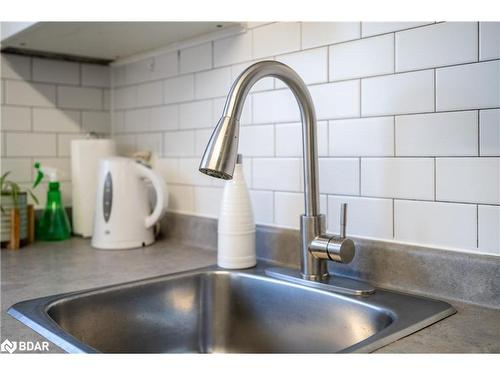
220, 157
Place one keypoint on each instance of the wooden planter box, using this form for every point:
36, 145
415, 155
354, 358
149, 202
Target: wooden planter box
18, 223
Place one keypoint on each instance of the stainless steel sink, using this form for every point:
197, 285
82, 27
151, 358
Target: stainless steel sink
212, 310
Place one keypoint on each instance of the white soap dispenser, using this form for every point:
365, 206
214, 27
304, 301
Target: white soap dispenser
236, 229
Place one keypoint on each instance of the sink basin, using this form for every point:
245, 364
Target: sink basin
212, 310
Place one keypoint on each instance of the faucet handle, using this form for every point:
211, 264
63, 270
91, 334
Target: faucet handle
337, 248
343, 220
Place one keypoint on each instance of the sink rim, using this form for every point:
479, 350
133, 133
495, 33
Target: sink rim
34, 313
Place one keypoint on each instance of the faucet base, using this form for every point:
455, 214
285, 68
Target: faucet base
333, 284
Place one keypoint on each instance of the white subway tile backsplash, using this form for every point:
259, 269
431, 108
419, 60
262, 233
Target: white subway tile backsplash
336, 100
19, 168
106, 100
489, 40
178, 143
181, 199
125, 97
339, 176
30, 144
164, 118
30, 94
118, 122
55, 71
276, 39
201, 138
375, 28
450, 225
233, 50
489, 229
16, 118
118, 75
196, 115
275, 106
96, 122
398, 94
64, 143
277, 174
150, 142
167, 168
390, 153
262, 206
289, 139
165, 66
15, 67
207, 201
366, 217
189, 174
56, 120
362, 58
362, 137
139, 71
316, 34
436, 45
137, 120
194, 59
411, 178
437, 134
288, 207
178, 89
79, 97
489, 132
256, 140
469, 180
213, 83
149, 94
468, 86
95, 75
126, 145
311, 65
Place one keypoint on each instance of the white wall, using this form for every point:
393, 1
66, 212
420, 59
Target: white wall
45, 104
409, 126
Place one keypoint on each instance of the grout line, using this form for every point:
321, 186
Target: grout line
435, 181
478, 133
478, 42
340, 80
352, 196
393, 218
394, 52
359, 177
360, 98
477, 226
435, 91
394, 135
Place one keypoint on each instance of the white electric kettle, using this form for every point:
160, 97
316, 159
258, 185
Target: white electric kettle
123, 218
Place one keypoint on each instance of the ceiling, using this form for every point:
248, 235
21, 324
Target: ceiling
106, 40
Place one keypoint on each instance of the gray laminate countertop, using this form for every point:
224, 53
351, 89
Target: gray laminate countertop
50, 268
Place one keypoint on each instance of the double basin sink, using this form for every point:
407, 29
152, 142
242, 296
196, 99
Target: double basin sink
211, 310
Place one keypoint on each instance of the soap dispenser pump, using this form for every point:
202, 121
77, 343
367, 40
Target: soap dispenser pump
236, 227
54, 223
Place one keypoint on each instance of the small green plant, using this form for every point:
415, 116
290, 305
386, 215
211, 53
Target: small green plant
10, 188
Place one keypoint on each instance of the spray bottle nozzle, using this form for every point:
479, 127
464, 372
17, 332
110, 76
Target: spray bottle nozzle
42, 171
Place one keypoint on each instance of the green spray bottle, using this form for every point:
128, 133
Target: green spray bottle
54, 224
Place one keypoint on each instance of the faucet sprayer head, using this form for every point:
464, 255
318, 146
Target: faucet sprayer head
221, 153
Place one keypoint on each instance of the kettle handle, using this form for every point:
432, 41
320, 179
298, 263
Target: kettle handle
161, 194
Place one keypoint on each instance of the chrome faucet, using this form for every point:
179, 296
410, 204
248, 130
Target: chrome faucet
220, 157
